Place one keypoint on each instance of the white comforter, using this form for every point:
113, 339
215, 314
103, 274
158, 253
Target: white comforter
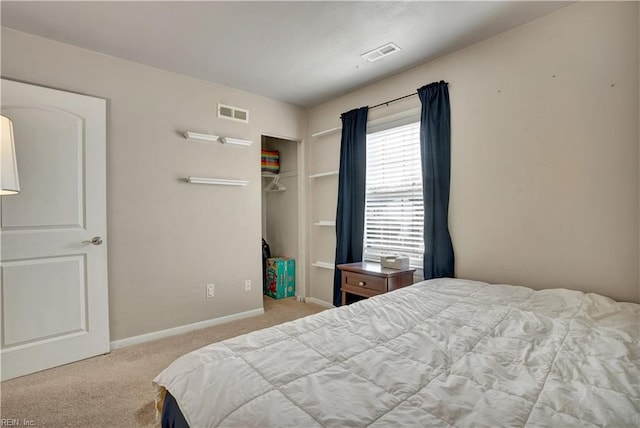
440, 353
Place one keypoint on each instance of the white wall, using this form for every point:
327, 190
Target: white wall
167, 238
545, 142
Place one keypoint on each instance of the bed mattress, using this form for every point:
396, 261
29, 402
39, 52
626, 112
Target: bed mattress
444, 352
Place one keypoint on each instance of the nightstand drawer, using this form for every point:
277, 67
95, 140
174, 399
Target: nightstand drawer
365, 281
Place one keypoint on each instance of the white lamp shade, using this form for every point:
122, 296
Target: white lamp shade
8, 165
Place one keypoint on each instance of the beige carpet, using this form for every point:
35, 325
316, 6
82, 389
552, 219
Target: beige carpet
115, 390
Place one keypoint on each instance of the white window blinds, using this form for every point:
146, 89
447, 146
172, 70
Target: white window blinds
394, 211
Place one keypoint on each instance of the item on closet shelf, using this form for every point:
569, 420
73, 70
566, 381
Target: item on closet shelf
281, 277
394, 262
270, 161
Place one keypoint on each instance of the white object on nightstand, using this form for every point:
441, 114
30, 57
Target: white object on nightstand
394, 262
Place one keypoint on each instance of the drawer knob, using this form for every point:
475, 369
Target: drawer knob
362, 283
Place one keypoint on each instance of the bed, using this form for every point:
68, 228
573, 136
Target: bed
443, 352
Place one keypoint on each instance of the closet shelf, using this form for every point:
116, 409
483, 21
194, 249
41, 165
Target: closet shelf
324, 174
323, 265
216, 181
285, 174
325, 223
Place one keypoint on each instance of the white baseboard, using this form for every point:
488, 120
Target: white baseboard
116, 344
319, 302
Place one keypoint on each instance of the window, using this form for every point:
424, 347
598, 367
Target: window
394, 211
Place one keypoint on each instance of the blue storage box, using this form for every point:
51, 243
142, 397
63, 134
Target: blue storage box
281, 277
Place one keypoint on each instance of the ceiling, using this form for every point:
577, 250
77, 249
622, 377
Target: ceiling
300, 52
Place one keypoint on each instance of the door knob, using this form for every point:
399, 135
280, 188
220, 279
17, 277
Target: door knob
95, 241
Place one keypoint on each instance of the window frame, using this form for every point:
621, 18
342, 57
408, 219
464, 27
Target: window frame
383, 124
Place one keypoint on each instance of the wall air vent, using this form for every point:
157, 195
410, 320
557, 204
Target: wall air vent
233, 113
380, 52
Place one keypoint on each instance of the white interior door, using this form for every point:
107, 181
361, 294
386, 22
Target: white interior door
54, 279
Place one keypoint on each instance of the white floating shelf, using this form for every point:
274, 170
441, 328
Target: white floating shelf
327, 132
236, 141
323, 265
324, 174
216, 181
325, 223
201, 137
210, 138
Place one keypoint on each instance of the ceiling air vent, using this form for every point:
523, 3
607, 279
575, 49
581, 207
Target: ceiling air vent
380, 52
233, 113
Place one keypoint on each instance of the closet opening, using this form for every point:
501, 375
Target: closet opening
282, 273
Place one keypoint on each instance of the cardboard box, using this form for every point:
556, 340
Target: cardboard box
281, 277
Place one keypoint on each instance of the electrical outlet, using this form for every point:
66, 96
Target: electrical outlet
247, 285
209, 290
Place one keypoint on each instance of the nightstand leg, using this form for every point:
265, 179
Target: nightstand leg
344, 298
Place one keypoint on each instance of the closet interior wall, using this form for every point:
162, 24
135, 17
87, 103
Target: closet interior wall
280, 209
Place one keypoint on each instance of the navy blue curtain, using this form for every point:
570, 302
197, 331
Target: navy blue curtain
435, 151
351, 193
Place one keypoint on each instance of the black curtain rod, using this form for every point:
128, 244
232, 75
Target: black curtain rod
393, 100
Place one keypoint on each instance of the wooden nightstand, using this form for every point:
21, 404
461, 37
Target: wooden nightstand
369, 279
